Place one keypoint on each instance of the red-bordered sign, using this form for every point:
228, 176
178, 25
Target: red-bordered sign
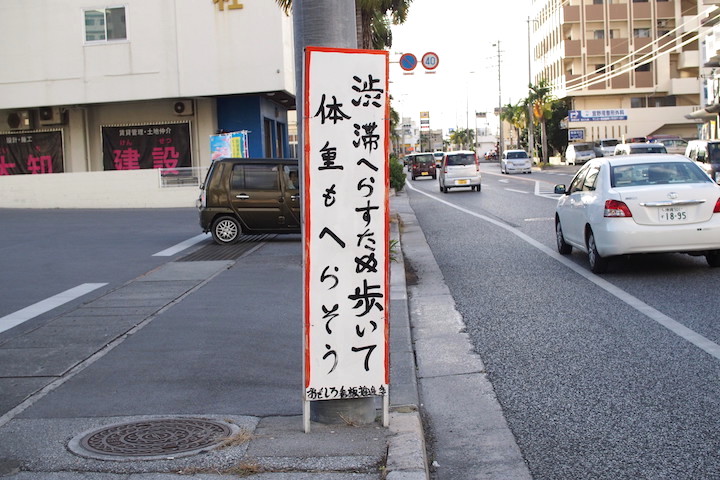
430, 61
346, 224
408, 62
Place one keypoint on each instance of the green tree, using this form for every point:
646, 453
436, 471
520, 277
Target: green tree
542, 102
373, 19
462, 138
516, 116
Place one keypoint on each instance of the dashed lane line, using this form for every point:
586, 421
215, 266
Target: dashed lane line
674, 326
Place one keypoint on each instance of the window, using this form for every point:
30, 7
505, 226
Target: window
254, 177
599, 34
641, 32
591, 178
644, 68
638, 102
104, 25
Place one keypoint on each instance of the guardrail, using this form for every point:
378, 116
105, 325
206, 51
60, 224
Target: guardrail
181, 177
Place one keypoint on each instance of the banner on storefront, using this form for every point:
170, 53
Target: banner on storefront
133, 147
31, 153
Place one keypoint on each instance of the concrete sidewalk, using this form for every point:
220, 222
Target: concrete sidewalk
162, 350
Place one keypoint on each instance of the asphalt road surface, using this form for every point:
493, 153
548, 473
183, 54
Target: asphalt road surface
611, 377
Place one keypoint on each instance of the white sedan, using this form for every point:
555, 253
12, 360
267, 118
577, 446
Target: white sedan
639, 204
515, 161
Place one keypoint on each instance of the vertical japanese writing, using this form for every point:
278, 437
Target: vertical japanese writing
346, 202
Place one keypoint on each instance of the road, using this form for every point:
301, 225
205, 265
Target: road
611, 377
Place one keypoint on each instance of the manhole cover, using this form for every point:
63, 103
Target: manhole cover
151, 439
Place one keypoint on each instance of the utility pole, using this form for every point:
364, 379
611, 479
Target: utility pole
500, 131
320, 23
530, 123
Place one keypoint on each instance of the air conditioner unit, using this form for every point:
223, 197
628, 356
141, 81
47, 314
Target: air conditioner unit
51, 116
183, 107
20, 120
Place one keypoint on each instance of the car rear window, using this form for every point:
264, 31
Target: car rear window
583, 147
461, 159
517, 155
648, 149
424, 159
656, 174
609, 143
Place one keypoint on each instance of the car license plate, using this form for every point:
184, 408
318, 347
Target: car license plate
423, 173
672, 214
462, 182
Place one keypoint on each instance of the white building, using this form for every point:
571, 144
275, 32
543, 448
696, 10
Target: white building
87, 81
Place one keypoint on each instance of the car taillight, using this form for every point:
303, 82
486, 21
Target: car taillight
717, 206
616, 208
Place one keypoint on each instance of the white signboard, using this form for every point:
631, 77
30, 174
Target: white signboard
346, 229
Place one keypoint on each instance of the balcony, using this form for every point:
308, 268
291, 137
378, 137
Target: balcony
573, 48
593, 13
621, 81
618, 11
619, 46
690, 24
571, 13
665, 9
684, 86
595, 47
644, 80
641, 10
689, 59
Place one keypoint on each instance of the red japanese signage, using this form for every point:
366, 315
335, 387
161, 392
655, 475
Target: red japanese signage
346, 229
31, 153
132, 147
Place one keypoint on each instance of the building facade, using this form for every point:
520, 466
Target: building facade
631, 68
102, 86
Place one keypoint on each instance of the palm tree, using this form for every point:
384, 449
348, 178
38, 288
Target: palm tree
463, 138
542, 102
516, 116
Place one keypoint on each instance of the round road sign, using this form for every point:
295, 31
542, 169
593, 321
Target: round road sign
408, 61
430, 60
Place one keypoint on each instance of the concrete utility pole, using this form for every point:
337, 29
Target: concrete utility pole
320, 23
531, 124
500, 132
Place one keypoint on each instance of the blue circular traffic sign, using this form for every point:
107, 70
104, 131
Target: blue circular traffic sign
408, 61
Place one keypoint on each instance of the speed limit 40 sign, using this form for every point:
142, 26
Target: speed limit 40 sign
430, 61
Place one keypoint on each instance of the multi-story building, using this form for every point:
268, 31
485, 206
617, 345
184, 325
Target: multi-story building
629, 67
101, 86
710, 73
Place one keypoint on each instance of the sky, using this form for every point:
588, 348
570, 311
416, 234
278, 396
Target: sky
462, 34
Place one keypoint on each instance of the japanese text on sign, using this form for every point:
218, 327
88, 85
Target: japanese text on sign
346, 224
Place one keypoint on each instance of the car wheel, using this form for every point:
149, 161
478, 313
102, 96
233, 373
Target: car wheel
478, 187
445, 189
598, 264
226, 230
713, 258
434, 177
562, 247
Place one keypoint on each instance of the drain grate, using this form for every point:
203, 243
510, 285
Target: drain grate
151, 439
213, 251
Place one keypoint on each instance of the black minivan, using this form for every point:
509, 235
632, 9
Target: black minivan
250, 196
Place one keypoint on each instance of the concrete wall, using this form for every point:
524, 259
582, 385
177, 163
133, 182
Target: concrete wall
174, 49
115, 189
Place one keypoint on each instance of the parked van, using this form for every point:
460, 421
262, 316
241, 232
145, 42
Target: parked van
250, 196
605, 147
577, 153
705, 153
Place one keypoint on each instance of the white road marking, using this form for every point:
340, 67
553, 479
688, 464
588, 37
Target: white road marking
168, 252
9, 321
674, 326
516, 191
